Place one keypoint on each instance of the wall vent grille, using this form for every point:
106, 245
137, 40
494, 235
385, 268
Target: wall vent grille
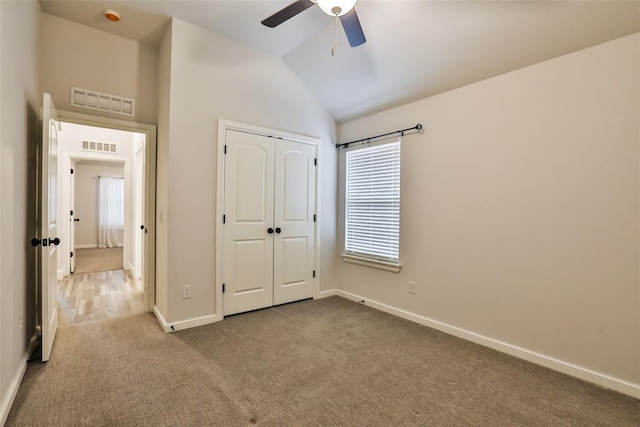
99, 147
102, 102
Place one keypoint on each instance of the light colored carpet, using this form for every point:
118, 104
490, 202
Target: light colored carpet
324, 362
99, 259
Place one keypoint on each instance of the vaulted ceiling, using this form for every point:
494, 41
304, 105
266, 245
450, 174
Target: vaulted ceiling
414, 48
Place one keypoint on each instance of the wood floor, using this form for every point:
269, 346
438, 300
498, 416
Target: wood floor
85, 297
98, 259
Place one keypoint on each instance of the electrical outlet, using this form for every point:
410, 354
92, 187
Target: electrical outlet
186, 291
412, 287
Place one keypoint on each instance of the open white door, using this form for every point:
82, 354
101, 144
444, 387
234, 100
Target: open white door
49, 225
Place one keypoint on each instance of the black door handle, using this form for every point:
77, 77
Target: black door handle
35, 241
55, 241
76, 219
278, 230
142, 227
270, 230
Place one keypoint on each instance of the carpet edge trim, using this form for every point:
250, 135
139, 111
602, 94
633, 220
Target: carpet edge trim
597, 378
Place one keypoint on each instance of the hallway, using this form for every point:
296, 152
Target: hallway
96, 296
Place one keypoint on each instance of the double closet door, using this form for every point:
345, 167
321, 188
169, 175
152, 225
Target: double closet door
269, 229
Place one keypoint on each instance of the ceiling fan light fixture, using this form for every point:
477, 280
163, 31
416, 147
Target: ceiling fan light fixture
336, 7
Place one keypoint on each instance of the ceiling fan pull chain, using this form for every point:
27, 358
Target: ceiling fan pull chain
335, 37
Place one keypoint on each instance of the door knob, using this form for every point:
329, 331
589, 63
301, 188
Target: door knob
35, 242
55, 241
142, 227
76, 219
270, 230
278, 230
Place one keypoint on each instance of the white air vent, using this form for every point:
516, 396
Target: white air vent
102, 102
100, 147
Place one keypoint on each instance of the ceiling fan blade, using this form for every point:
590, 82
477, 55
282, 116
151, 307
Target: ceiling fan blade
352, 28
287, 13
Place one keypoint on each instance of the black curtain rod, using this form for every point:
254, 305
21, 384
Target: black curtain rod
417, 127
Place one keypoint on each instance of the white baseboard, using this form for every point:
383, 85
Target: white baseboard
8, 399
133, 271
184, 324
329, 293
90, 246
568, 368
10, 396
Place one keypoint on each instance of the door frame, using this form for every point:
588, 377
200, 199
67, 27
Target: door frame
149, 244
67, 158
72, 222
223, 126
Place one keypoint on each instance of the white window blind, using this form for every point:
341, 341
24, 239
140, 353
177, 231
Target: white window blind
373, 202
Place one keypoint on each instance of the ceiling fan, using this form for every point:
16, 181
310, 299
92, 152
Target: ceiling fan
343, 9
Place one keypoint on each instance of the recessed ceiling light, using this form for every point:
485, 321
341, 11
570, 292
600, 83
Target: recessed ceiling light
111, 15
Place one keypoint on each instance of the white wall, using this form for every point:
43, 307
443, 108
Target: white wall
20, 102
211, 77
86, 201
519, 214
69, 147
80, 56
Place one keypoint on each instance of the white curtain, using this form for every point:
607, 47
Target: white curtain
110, 212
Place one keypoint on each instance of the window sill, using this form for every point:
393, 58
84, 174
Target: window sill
394, 267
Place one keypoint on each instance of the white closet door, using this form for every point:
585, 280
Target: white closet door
248, 247
49, 225
294, 209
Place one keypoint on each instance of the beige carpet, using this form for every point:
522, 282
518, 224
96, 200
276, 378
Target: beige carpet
325, 362
99, 259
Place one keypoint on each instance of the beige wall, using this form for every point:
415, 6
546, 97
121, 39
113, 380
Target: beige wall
80, 56
20, 101
520, 214
211, 78
162, 171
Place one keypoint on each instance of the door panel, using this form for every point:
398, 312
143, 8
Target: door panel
294, 246
250, 275
49, 225
294, 273
248, 247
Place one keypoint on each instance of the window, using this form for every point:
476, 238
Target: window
372, 226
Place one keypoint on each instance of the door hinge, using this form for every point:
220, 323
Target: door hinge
225, 149
71, 171
224, 219
314, 273
223, 288
315, 162
71, 254
314, 217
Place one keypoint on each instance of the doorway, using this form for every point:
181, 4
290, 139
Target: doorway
106, 267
